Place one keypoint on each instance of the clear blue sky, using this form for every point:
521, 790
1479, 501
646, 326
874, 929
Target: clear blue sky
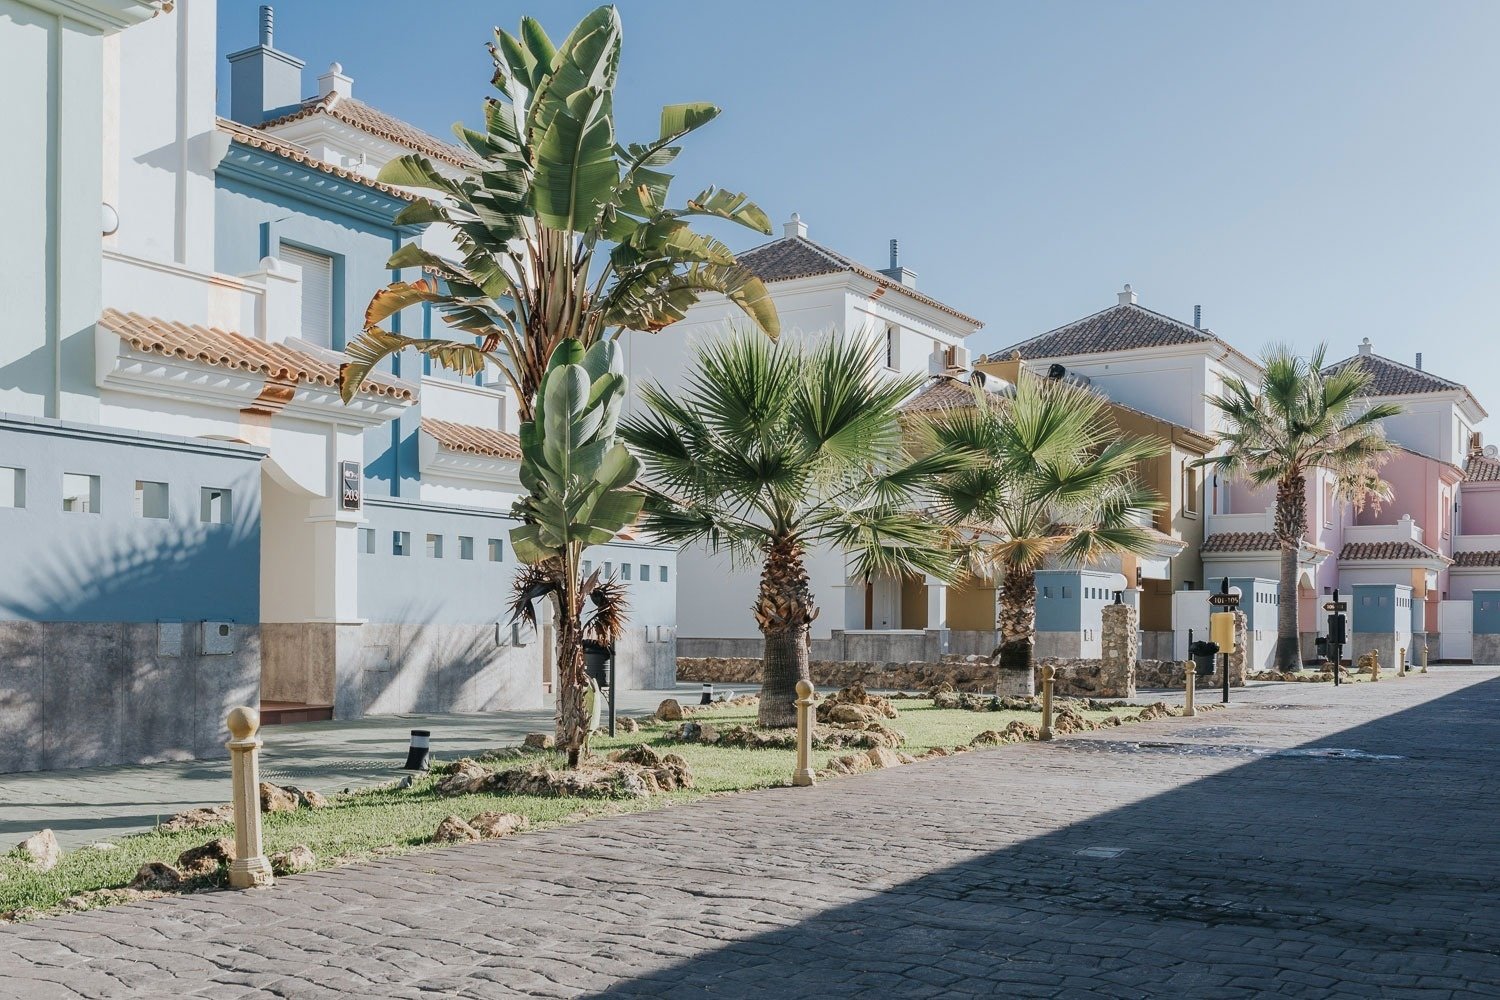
1306, 171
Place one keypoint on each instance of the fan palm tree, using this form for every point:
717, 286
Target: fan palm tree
1049, 477
1300, 419
771, 450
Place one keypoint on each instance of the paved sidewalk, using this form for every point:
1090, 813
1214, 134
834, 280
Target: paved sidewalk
1181, 858
98, 803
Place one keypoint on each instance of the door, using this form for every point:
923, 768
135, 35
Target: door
1456, 630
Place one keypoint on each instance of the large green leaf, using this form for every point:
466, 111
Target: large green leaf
576, 167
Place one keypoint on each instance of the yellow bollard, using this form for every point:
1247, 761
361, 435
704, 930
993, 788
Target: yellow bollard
250, 868
803, 776
1401, 662
1424, 657
1048, 672
1374, 664
1191, 683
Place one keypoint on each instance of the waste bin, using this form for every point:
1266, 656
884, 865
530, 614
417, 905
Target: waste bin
596, 662
1203, 654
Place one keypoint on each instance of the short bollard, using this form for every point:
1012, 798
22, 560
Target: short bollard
803, 776
250, 868
1191, 683
1048, 672
1401, 662
1424, 657
1374, 664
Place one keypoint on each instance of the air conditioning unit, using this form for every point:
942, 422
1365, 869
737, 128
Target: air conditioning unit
959, 357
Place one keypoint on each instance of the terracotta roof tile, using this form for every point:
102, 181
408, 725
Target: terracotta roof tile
1241, 541
1388, 551
799, 257
376, 122
472, 439
1481, 469
1392, 378
942, 392
1490, 559
1125, 327
222, 349
267, 143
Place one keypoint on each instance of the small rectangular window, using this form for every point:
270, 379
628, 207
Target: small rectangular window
497, 550
12, 487
434, 546
663, 576
609, 570
465, 547
150, 499
80, 493
892, 347
367, 540
645, 572
625, 571
588, 566
216, 506
401, 543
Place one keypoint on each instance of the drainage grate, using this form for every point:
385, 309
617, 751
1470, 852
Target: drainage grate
1100, 852
1217, 750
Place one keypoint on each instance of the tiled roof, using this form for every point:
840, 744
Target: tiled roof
472, 439
942, 392
1124, 327
1241, 541
265, 142
1388, 551
222, 349
1392, 378
367, 119
1483, 559
1481, 469
799, 257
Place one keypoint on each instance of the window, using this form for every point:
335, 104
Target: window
1330, 494
12, 487
434, 546
625, 571
317, 293
645, 572
1447, 513
465, 547
663, 576
216, 506
497, 550
1189, 489
80, 493
150, 499
588, 566
401, 543
367, 540
892, 347
609, 570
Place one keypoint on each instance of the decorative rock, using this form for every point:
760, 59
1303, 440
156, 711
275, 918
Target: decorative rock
539, 741
157, 876
193, 819
309, 798
274, 798
629, 726
946, 699
855, 704
296, 859
881, 757
453, 830
498, 824
468, 776
708, 733
206, 858
851, 764
96, 898
670, 710
41, 850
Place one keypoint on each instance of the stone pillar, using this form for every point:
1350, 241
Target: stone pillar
1120, 637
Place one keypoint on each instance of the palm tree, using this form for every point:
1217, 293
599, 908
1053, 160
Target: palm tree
563, 235
1302, 419
1049, 477
771, 450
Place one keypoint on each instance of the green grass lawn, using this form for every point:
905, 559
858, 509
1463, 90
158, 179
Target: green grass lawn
379, 822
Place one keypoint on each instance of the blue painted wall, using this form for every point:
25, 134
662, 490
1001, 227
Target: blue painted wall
1070, 600
264, 202
1380, 607
113, 566
1259, 599
1487, 612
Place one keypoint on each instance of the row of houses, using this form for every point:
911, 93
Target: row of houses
195, 520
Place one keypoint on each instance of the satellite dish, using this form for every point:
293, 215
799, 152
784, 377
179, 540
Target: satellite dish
1491, 451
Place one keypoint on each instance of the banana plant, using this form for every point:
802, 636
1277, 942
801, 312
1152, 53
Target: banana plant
578, 477
563, 233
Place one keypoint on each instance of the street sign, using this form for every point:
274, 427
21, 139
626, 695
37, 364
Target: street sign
1335, 605
1224, 600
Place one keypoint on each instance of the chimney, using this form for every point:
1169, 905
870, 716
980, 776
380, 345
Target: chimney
1419, 361
263, 82
335, 82
1365, 347
794, 227
1127, 296
896, 272
1198, 317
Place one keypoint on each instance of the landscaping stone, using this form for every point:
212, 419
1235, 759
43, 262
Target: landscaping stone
193, 819
294, 860
850, 764
1016, 732
628, 726
453, 830
975, 673
498, 824
95, 898
205, 859
539, 741
881, 757
157, 876
468, 776
855, 704
309, 798
274, 798
41, 850
670, 710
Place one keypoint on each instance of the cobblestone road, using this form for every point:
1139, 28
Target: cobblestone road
1169, 870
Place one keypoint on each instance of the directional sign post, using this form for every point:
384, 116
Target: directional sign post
1225, 602
1336, 624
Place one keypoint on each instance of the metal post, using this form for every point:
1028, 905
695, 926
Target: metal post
1226, 678
611, 689
1048, 672
1191, 684
250, 868
803, 776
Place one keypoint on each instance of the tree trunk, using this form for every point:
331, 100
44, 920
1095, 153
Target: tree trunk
784, 610
572, 720
1291, 525
1017, 618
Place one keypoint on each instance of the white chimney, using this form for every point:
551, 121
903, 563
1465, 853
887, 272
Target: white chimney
1365, 347
335, 82
1127, 297
794, 227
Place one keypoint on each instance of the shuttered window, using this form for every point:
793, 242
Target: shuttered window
317, 293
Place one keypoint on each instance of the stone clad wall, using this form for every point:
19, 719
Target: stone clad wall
968, 674
1160, 674
1087, 678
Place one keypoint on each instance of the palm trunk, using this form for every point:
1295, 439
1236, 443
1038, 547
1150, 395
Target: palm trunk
572, 720
1291, 525
784, 610
1017, 618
